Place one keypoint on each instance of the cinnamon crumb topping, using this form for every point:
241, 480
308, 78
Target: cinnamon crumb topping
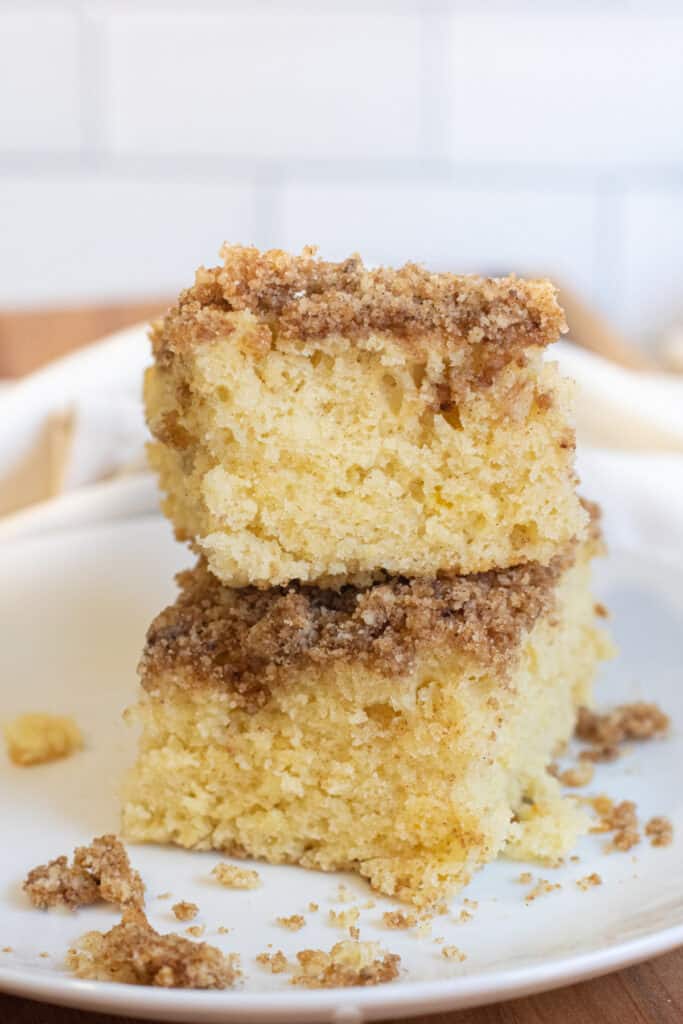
236, 878
605, 732
660, 831
101, 871
246, 640
347, 963
483, 323
185, 911
133, 952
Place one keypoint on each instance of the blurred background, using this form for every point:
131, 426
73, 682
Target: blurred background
137, 135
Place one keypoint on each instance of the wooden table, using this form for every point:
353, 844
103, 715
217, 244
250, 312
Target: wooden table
651, 993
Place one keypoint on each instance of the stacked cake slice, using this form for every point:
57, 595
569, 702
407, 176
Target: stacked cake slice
389, 628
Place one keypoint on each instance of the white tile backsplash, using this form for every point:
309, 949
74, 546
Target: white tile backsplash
574, 89
498, 134
87, 237
492, 230
39, 80
268, 84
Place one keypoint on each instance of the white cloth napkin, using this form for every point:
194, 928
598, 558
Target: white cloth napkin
629, 425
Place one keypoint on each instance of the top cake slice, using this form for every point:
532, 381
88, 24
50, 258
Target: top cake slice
325, 421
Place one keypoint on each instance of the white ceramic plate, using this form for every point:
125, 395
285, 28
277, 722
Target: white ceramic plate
74, 608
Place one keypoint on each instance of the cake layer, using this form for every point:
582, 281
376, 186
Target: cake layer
402, 730
321, 421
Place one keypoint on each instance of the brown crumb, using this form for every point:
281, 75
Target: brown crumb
621, 819
7, 949
471, 903
293, 923
600, 610
100, 871
236, 878
605, 732
589, 881
453, 953
313, 907
164, 896
276, 963
525, 878
542, 888
222, 930
38, 738
660, 831
132, 952
195, 930
354, 932
575, 858
44, 956
369, 905
344, 918
185, 911
398, 919
347, 963
464, 916
580, 775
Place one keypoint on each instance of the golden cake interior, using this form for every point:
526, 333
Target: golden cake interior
320, 421
401, 730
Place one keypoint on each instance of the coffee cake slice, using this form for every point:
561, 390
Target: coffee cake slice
401, 730
320, 421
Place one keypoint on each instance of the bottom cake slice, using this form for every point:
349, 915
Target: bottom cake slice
402, 730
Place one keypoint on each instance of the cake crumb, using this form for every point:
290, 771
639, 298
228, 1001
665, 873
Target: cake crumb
354, 931
605, 732
184, 911
347, 963
575, 858
660, 831
236, 878
196, 930
7, 949
621, 819
164, 896
293, 923
471, 903
439, 939
453, 953
276, 963
344, 918
525, 878
44, 956
398, 919
542, 888
580, 775
101, 871
589, 881
313, 907
222, 930
464, 916
369, 905
344, 894
39, 738
132, 952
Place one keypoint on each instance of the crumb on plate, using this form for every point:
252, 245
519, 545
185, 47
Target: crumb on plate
348, 963
101, 871
233, 877
37, 738
132, 952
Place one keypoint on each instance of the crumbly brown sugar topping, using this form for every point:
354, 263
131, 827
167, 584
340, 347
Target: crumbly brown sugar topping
302, 297
134, 953
101, 871
245, 640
